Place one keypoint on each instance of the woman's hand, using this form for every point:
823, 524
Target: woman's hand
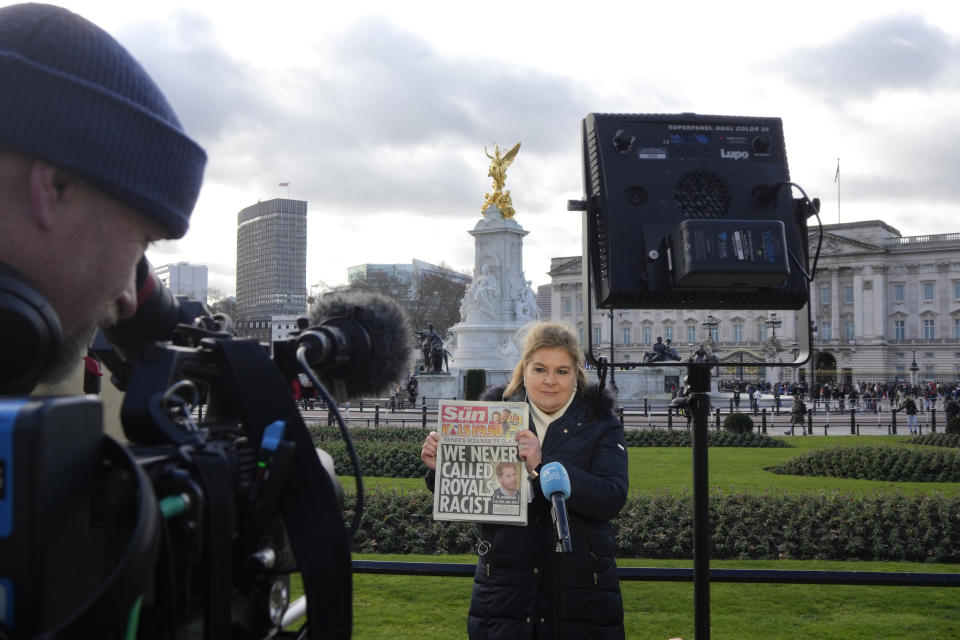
529, 449
429, 452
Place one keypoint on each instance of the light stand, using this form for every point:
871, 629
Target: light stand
697, 401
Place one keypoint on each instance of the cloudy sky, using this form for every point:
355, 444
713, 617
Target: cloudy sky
377, 113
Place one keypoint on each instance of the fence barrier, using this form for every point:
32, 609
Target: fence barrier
665, 574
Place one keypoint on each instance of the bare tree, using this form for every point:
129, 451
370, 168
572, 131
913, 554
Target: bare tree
437, 299
432, 298
219, 302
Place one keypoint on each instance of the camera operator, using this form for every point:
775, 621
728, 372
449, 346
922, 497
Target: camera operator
94, 166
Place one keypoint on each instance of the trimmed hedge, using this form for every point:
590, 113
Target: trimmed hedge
937, 439
322, 435
683, 438
828, 526
394, 452
474, 384
380, 459
890, 464
953, 426
738, 423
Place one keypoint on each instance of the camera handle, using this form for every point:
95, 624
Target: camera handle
130, 576
309, 507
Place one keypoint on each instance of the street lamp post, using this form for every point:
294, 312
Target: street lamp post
774, 322
794, 350
814, 333
711, 323
913, 370
613, 375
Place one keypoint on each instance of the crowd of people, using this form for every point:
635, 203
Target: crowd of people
843, 396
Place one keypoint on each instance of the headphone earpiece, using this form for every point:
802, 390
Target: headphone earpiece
31, 338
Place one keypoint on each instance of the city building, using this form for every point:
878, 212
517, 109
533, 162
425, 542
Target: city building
883, 306
543, 301
412, 275
271, 264
184, 279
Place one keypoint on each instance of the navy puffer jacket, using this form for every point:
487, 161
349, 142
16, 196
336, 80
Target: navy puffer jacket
515, 581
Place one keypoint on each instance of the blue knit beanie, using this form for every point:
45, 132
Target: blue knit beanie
72, 95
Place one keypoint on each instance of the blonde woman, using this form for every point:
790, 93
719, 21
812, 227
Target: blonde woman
573, 424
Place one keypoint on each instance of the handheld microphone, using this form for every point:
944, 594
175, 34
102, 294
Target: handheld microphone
555, 484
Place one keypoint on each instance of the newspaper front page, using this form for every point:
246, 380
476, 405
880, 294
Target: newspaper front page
480, 476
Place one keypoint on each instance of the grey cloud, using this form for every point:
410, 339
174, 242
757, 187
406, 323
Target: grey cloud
212, 93
381, 123
899, 52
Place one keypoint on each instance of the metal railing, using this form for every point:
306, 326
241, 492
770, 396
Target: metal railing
768, 415
297, 610
666, 574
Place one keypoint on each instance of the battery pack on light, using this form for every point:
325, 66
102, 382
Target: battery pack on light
728, 254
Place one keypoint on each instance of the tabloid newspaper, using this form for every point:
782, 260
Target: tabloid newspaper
480, 477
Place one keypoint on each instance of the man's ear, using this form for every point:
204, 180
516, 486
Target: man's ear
48, 188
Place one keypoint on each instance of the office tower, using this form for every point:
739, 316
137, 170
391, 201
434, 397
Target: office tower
271, 262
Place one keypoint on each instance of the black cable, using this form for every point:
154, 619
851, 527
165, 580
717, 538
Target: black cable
816, 213
354, 460
806, 200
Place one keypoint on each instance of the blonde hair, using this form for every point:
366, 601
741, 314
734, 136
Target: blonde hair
548, 335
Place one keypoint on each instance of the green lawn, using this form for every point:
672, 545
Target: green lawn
657, 468
432, 607
401, 607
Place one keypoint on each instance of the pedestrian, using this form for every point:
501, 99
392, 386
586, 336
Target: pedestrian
910, 408
797, 413
951, 409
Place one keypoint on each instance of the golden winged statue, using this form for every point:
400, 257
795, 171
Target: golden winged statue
498, 171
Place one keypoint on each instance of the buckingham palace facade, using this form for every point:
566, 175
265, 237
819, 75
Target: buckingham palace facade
884, 306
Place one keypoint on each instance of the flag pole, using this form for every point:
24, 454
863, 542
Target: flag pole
836, 178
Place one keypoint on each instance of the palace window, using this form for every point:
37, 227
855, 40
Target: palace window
899, 333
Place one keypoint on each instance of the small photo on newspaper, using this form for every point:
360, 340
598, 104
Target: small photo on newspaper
480, 476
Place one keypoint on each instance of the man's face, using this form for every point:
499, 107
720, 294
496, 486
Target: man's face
90, 280
508, 479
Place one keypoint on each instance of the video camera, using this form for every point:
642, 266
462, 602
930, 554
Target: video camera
192, 529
